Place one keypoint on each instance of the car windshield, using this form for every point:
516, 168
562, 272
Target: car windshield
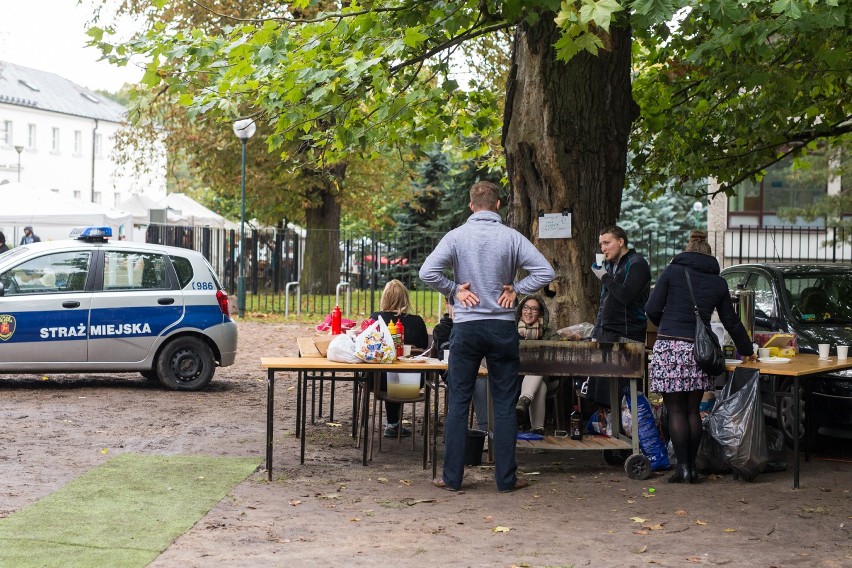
820, 297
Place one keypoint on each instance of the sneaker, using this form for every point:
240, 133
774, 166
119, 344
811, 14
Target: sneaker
392, 430
538, 431
522, 408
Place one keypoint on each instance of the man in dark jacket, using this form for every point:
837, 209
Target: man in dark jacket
29, 237
625, 286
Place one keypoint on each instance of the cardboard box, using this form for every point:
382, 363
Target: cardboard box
322, 341
779, 344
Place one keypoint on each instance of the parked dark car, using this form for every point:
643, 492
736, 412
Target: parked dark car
814, 301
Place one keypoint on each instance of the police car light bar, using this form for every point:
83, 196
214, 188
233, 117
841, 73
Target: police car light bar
91, 233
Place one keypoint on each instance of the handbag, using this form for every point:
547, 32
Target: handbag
706, 349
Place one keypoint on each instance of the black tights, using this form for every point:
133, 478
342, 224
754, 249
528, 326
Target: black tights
684, 423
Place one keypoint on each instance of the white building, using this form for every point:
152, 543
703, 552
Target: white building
57, 135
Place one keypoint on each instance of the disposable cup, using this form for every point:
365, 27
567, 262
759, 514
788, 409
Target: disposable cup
599, 259
842, 352
406, 350
824, 350
763, 352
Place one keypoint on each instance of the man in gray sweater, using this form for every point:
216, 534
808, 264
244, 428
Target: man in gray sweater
485, 256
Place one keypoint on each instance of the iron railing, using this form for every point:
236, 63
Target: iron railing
274, 281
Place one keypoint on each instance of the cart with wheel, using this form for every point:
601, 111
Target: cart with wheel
571, 359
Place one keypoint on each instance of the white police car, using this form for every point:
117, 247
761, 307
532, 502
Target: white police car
92, 305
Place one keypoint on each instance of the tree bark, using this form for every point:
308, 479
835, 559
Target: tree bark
565, 135
322, 257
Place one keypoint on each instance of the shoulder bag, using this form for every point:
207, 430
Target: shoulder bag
706, 349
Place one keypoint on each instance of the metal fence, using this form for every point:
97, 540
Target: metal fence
356, 270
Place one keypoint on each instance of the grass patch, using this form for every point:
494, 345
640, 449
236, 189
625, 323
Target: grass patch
122, 513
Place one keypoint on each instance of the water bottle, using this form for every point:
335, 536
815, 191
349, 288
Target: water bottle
336, 321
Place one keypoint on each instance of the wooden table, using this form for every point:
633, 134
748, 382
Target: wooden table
306, 365
802, 365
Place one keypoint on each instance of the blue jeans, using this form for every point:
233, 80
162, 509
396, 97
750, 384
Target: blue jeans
497, 342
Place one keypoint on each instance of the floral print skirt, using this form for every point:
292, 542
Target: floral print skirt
673, 368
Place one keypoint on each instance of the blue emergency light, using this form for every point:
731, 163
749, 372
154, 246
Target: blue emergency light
91, 234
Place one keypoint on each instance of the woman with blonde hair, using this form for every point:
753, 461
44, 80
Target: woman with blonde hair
673, 370
395, 304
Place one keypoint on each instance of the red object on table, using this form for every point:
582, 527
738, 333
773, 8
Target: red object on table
400, 330
336, 320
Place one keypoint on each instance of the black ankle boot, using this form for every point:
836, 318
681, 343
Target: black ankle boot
681, 474
693, 473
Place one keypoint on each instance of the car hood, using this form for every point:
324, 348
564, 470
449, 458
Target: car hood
809, 336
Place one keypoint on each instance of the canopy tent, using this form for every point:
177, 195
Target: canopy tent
140, 206
51, 215
192, 211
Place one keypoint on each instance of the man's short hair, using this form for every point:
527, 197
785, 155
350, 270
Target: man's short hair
616, 232
484, 195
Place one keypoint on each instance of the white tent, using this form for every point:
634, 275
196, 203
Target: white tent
140, 205
195, 213
51, 215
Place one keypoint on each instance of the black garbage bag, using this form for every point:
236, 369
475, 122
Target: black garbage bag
711, 456
736, 423
777, 450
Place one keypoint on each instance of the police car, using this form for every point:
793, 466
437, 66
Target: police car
94, 305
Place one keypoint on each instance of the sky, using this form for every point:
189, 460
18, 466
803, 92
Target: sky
50, 35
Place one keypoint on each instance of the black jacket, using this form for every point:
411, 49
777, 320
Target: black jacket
670, 304
624, 292
414, 328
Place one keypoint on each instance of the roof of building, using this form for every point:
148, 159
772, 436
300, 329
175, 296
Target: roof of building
41, 90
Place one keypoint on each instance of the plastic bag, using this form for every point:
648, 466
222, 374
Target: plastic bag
599, 423
375, 344
576, 332
711, 456
325, 324
650, 442
736, 422
626, 418
342, 350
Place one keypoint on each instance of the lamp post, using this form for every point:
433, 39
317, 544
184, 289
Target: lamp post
697, 207
19, 149
244, 129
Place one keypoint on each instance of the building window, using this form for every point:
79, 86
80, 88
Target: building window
758, 204
96, 197
31, 136
78, 194
54, 140
6, 132
78, 142
98, 145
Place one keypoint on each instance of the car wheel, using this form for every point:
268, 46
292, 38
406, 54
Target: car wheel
186, 363
785, 410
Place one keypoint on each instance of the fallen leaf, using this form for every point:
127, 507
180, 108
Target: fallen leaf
631, 501
641, 532
700, 522
104, 451
382, 480
354, 520
330, 496
638, 520
657, 527
643, 549
499, 529
333, 424
295, 502
681, 513
44, 378
694, 559
405, 482
411, 502
729, 530
488, 517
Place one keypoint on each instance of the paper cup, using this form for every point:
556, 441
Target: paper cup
823, 350
406, 350
842, 352
763, 352
600, 258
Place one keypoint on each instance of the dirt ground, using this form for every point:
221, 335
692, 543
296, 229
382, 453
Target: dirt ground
332, 511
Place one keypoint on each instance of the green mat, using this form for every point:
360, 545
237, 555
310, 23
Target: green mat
122, 513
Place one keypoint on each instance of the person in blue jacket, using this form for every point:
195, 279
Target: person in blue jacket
673, 370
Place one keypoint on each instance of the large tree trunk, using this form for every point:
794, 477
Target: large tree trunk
565, 136
321, 269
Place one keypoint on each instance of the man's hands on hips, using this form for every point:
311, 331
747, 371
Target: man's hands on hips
508, 297
465, 297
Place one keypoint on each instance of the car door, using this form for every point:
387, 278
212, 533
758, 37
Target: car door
136, 303
44, 310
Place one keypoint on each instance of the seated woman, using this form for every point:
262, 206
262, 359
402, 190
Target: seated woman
394, 306
533, 322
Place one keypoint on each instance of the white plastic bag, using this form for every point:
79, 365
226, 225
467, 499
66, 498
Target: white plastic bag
342, 350
375, 344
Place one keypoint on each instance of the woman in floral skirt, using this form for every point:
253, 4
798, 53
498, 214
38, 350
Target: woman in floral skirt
673, 369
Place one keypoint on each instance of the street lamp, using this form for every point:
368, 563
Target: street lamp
19, 149
697, 207
244, 129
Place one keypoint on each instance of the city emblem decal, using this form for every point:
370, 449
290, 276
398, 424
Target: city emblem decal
7, 326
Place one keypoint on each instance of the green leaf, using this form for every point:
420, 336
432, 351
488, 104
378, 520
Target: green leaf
414, 37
